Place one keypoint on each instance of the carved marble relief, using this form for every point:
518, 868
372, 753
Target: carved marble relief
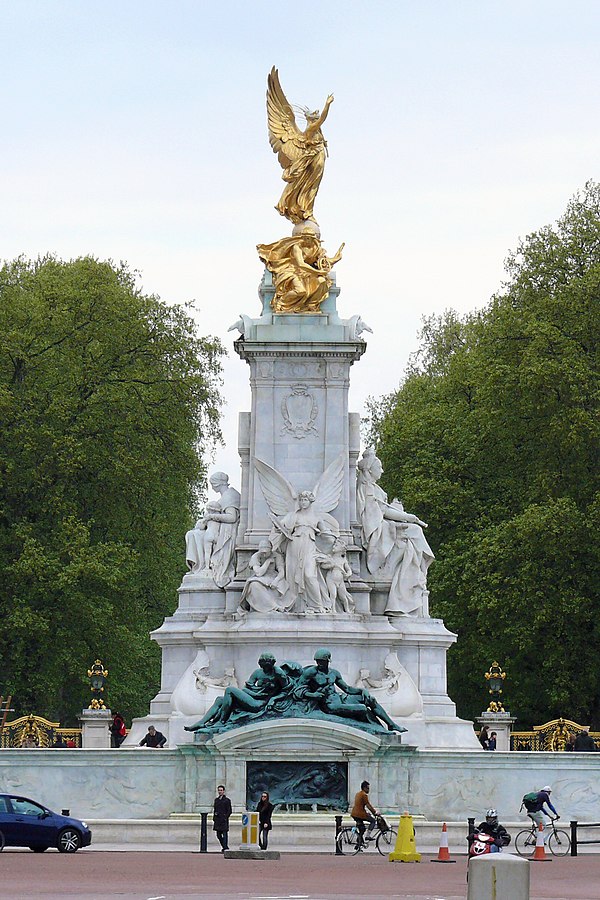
299, 411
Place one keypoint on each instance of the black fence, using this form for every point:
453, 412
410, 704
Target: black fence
575, 841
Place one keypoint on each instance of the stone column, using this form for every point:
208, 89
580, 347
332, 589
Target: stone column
95, 734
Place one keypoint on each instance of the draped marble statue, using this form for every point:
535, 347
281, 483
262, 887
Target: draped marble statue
394, 541
396, 689
266, 588
196, 690
303, 529
210, 545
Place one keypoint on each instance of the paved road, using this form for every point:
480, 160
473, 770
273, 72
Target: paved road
193, 876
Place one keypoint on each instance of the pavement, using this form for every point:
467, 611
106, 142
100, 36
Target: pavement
150, 875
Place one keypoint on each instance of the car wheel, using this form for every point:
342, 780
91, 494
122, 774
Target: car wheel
69, 840
39, 848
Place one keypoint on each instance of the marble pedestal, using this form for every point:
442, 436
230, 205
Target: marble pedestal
501, 723
299, 431
95, 724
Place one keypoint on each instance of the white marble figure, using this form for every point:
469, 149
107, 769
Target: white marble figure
201, 540
394, 540
337, 570
300, 521
265, 589
196, 690
222, 525
357, 325
396, 691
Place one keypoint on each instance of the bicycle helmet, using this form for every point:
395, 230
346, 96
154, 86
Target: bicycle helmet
547, 789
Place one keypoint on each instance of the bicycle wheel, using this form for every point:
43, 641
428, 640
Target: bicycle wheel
525, 843
347, 841
386, 841
559, 842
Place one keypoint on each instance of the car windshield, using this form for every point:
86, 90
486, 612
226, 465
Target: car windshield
3, 805
23, 807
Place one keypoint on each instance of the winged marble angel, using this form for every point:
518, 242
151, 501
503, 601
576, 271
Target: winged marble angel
301, 520
301, 154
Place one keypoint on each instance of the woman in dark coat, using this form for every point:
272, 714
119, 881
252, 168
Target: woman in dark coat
265, 811
484, 737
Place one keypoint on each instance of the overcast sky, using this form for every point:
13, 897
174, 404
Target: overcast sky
137, 131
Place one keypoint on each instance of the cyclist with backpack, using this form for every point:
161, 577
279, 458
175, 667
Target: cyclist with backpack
534, 803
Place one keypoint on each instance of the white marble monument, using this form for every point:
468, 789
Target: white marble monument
310, 552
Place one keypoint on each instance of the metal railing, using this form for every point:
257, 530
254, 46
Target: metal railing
575, 841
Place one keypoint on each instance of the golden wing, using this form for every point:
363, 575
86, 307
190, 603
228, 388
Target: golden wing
285, 137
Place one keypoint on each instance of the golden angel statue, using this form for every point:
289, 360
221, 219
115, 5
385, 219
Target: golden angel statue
302, 521
301, 154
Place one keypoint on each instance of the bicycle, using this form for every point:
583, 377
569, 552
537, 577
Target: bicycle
559, 842
349, 841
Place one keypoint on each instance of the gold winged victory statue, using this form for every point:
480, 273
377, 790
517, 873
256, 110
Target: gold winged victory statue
299, 264
301, 154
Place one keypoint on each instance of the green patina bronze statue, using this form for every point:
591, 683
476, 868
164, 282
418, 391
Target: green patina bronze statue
296, 691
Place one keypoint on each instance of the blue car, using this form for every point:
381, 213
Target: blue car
25, 823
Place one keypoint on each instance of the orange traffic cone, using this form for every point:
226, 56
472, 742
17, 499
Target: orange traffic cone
539, 854
443, 853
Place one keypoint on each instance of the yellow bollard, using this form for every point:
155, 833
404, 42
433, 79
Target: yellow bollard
405, 849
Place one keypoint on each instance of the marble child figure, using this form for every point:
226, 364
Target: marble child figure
337, 569
201, 540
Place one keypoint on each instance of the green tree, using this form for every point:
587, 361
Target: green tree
493, 438
107, 400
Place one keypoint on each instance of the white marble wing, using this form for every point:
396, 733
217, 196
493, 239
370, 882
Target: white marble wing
328, 488
278, 492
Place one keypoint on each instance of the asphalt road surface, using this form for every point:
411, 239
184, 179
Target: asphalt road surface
296, 876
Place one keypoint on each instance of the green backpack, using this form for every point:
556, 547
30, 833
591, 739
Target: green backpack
529, 801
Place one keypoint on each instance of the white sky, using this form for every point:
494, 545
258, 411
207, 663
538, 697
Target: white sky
137, 131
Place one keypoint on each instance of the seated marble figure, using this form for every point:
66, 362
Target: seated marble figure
295, 691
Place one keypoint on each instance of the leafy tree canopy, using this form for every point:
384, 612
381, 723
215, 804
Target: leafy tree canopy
107, 400
493, 438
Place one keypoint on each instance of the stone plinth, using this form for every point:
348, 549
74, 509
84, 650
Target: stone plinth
501, 723
95, 724
499, 876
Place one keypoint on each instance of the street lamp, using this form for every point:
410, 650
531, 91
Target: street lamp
495, 679
97, 675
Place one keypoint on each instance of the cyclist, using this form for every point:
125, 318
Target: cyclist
535, 808
492, 827
359, 812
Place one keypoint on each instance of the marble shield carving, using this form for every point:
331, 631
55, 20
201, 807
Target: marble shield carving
299, 411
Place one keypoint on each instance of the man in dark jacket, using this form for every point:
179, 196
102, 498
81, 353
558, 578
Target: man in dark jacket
584, 743
221, 813
154, 739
